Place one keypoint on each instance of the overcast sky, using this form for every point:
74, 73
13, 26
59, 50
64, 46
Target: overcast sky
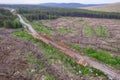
57, 1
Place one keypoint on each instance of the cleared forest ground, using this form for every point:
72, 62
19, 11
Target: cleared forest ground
98, 33
98, 38
21, 59
28, 58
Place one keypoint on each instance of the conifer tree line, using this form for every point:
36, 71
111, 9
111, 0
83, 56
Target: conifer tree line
53, 13
8, 20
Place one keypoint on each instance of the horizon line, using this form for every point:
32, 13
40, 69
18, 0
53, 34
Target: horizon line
51, 2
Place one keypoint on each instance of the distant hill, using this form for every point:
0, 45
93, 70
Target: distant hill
69, 5
57, 5
115, 7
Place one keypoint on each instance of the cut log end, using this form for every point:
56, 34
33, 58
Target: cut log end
82, 62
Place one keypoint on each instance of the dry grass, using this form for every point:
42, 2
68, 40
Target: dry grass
107, 8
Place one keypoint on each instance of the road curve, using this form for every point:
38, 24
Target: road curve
107, 70
26, 24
